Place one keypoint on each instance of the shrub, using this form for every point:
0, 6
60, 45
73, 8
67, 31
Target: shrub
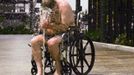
21, 29
94, 34
123, 40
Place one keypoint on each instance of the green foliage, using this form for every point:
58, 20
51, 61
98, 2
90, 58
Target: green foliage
1, 18
94, 34
21, 29
123, 40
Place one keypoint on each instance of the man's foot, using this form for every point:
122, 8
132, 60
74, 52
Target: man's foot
57, 73
38, 74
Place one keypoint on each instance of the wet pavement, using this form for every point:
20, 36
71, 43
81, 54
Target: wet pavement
113, 62
15, 56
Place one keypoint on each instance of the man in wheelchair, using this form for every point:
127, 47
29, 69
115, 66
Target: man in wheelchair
60, 19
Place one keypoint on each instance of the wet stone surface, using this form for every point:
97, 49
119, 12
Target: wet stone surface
15, 58
15, 55
113, 62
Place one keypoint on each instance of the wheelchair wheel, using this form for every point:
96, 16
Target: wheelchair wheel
82, 55
34, 67
49, 67
66, 67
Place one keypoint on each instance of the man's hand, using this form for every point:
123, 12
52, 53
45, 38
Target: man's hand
44, 24
50, 31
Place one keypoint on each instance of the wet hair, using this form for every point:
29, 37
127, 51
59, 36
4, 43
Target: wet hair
50, 4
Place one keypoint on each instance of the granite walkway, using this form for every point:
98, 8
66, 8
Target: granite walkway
15, 58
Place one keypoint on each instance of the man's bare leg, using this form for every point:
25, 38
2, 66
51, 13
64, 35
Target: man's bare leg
36, 44
58, 68
53, 45
56, 56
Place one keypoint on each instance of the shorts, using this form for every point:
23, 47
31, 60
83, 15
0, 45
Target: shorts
47, 37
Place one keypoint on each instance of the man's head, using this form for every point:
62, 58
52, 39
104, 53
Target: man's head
48, 3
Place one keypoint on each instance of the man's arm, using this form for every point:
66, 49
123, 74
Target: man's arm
67, 15
44, 21
67, 18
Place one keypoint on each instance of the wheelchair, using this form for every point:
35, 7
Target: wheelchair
76, 50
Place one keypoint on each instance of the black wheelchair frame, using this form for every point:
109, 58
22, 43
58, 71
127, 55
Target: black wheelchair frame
77, 54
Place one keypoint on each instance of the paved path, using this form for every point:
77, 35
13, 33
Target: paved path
113, 62
15, 58
14, 55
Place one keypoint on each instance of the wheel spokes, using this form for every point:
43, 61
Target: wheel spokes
83, 56
86, 62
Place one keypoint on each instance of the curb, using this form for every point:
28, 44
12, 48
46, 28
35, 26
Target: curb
114, 46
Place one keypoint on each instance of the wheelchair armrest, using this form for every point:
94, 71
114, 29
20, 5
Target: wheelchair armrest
73, 28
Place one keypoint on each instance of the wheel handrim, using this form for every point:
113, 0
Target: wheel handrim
80, 60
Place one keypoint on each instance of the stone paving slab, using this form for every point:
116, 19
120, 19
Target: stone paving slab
15, 57
113, 62
115, 46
